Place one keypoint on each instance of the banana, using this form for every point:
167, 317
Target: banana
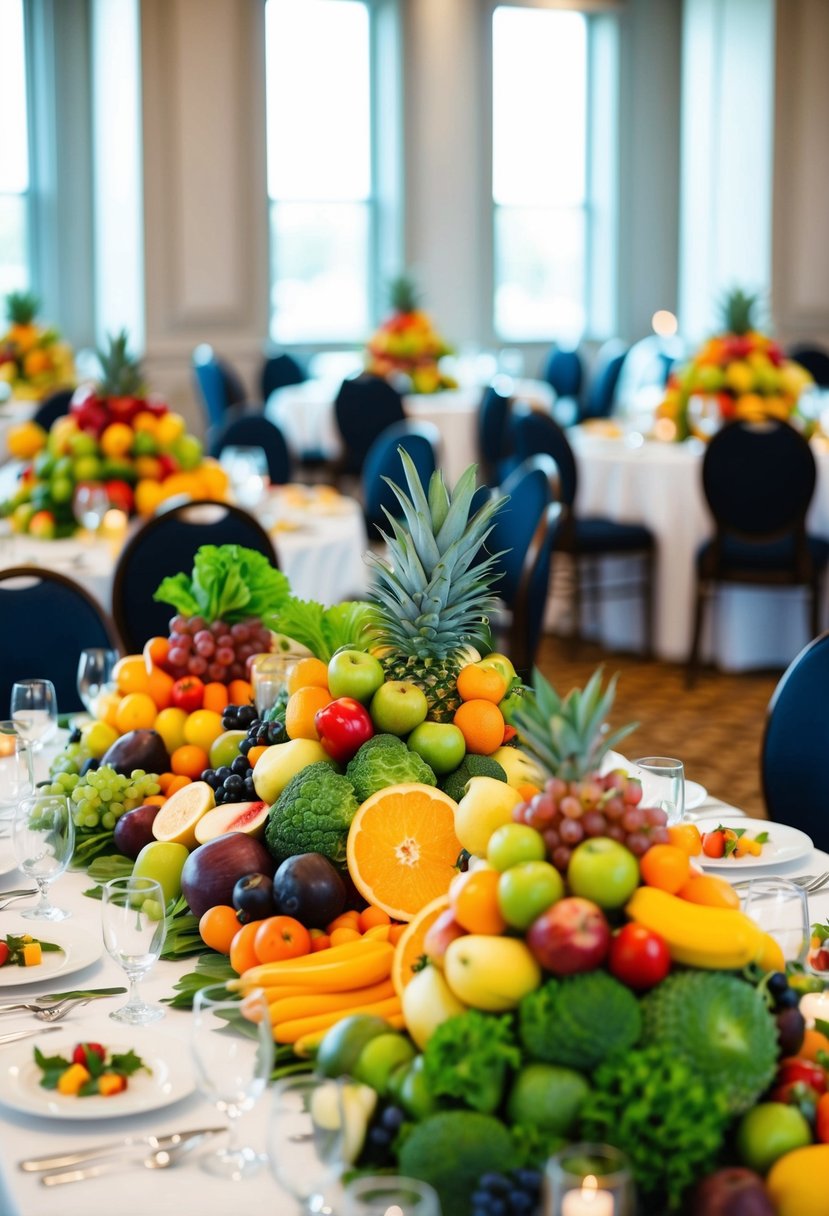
698, 935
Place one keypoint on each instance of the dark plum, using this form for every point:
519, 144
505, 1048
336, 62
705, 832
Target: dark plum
308, 888
134, 829
791, 1027
138, 749
253, 898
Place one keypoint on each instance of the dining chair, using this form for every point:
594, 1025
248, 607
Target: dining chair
601, 390
55, 406
796, 742
48, 619
365, 406
816, 361
564, 371
421, 440
495, 456
587, 540
165, 545
758, 480
280, 371
245, 428
218, 385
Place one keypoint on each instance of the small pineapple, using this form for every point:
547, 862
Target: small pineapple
21, 308
403, 294
738, 309
121, 374
431, 602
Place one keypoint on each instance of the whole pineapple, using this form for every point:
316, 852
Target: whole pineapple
121, 374
431, 602
403, 294
738, 308
22, 308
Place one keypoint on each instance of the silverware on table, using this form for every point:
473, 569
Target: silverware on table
51, 1013
8, 897
158, 1159
25, 1034
156, 1143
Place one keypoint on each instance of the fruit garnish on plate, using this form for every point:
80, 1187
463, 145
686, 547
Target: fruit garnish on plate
93, 1069
819, 947
23, 950
733, 842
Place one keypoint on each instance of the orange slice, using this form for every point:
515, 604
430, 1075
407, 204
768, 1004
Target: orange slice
410, 947
402, 848
177, 819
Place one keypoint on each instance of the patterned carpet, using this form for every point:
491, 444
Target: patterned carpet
715, 728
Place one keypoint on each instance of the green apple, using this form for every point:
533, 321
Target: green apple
188, 451
162, 860
280, 763
379, 1058
440, 744
489, 973
83, 444
527, 890
354, 673
87, 468
225, 748
62, 489
547, 1097
604, 871
412, 1090
514, 843
398, 706
501, 663
768, 1131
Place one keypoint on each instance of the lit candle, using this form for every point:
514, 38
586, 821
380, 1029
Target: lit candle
588, 1201
814, 1005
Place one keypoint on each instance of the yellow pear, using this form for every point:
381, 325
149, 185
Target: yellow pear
490, 973
428, 1001
520, 768
276, 766
486, 806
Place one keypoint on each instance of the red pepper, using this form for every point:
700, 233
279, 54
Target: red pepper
796, 1069
84, 1050
797, 1093
4, 953
822, 1119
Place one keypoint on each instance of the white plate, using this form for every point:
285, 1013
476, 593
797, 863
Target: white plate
695, 795
79, 946
171, 1078
784, 844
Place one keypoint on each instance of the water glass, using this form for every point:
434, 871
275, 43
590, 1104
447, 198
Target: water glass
95, 675
90, 504
233, 1066
269, 679
383, 1194
34, 710
588, 1180
781, 909
663, 785
306, 1137
17, 778
43, 839
247, 470
134, 927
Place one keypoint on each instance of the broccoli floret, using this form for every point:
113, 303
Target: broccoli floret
385, 760
312, 815
471, 766
450, 1151
580, 1021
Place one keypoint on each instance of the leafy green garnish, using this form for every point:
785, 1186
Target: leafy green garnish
17, 942
468, 1058
228, 583
124, 1064
324, 630
210, 969
102, 869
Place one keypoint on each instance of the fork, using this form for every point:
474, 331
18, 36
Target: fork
52, 1013
9, 897
160, 1159
808, 882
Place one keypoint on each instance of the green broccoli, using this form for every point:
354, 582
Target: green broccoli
472, 765
312, 815
468, 1058
385, 760
450, 1151
579, 1021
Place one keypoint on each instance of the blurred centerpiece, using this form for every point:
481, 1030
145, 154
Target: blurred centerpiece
407, 348
33, 360
736, 374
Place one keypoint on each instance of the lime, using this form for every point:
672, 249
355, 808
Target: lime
380, 1057
340, 1050
547, 1097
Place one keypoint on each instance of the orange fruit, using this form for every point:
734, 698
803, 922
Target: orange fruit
177, 819
130, 674
240, 692
482, 725
346, 920
322, 942
155, 800
481, 683
105, 707
475, 902
409, 947
160, 687
371, 917
243, 954
215, 697
342, 935
136, 711
255, 752
308, 673
116, 440
170, 725
402, 848
813, 1042
281, 937
155, 652
189, 761
203, 728
665, 866
686, 836
710, 890
301, 710
148, 493
218, 927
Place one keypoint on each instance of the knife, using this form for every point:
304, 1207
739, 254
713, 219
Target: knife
33, 1164
26, 1034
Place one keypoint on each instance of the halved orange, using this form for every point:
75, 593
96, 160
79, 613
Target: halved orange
410, 947
402, 848
177, 819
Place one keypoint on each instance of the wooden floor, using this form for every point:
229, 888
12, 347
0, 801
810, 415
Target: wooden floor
716, 728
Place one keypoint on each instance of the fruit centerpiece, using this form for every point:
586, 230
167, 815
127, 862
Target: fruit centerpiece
33, 360
407, 346
115, 435
737, 374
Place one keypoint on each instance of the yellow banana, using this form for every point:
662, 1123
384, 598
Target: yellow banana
697, 935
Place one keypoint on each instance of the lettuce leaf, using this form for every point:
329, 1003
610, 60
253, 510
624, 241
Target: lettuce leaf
324, 630
228, 583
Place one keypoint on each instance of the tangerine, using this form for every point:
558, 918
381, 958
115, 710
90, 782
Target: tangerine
308, 673
137, 711
686, 836
281, 937
371, 917
665, 866
482, 725
243, 954
218, 927
215, 697
481, 683
155, 652
189, 761
160, 688
130, 674
475, 902
301, 710
240, 692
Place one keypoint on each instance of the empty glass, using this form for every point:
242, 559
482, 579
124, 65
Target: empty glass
90, 504
134, 927
95, 675
34, 710
269, 679
663, 785
247, 469
781, 909
43, 839
306, 1137
383, 1194
17, 779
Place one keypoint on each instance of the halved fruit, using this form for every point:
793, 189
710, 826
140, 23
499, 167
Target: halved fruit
177, 819
402, 848
247, 817
410, 948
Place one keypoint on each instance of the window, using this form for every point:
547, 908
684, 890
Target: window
14, 152
318, 64
539, 172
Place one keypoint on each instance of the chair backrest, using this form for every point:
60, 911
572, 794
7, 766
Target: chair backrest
816, 361
218, 385
758, 478
494, 439
256, 431
53, 407
535, 434
421, 440
601, 393
47, 621
796, 742
167, 544
278, 371
365, 407
564, 371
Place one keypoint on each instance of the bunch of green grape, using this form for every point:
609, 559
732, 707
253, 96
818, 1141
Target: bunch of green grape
101, 796
70, 760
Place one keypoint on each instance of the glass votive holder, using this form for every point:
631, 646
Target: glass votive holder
815, 1007
269, 678
781, 909
589, 1180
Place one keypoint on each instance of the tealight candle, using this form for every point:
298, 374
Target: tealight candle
587, 1201
589, 1180
814, 1005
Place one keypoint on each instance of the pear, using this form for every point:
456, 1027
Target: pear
490, 973
486, 806
278, 764
520, 768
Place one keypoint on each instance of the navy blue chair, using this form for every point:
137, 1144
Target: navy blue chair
167, 544
47, 621
218, 385
758, 481
256, 431
601, 392
365, 406
564, 372
587, 540
422, 442
55, 406
279, 371
796, 743
816, 361
494, 438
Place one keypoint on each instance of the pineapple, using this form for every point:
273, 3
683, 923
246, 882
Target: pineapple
21, 308
121, 375
431, 602
403, 294
738, 312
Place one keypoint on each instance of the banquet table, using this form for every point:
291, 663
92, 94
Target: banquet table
627, 478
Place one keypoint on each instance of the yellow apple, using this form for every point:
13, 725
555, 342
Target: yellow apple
428, 1001
520, 768
490, 973
486, 806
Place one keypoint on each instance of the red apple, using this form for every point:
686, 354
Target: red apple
440, 934
573, 935
731, 1192
343, 727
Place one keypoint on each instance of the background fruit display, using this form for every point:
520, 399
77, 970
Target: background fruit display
408, 346
741, 373
33, 360
114, 435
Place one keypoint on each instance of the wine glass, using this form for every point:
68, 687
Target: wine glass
34, 710
43, 839
247, 470
781, 909
134, 927
95, 675
90, 504
663, 785
233, 1066
381, 1194
17, 779
306, 1137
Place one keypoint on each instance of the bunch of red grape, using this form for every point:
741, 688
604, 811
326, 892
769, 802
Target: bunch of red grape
566, 813
215, 651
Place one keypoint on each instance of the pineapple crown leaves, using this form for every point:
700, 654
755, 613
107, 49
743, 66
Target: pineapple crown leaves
22, 307
121, 375
403, 294
737, 309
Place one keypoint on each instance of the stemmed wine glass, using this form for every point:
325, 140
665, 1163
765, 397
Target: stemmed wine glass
17, 779
233, 1067
89, 505
43, 838
95, 675
34, 710
306, 1137
134, 927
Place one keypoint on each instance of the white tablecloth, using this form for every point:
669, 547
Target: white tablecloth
657, 484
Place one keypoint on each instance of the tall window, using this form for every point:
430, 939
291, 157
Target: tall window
318, 60
14, 152
539, 172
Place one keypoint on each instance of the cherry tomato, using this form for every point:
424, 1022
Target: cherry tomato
713, 844
188, 694
82, 1052
807, 1071
4, 954
639, 957
343, 726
